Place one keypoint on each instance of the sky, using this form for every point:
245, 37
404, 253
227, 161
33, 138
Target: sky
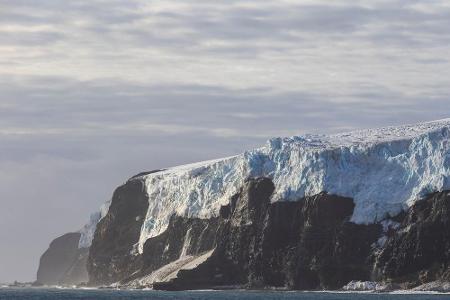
95, 91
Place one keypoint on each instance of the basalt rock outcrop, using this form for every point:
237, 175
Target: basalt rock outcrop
308, 244
305, 244
112, 254
255, 243
314, 211
418, 251
63, 263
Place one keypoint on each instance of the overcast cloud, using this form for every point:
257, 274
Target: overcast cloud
92, 92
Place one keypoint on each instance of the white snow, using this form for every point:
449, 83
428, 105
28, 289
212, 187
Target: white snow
88, 230
384, 170
389, 224
170, 270
362, 286
186, 243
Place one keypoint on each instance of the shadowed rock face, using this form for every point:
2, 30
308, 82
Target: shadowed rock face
306, 244
311, 244
111, 256
63, 263
419, 250
183, 237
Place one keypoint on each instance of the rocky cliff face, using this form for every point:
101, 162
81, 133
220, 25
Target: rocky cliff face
418, 250
306, 244
254, 243
112, 253
305, 212
63, 263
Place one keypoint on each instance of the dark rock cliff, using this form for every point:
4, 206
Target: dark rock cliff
311, 244
111, 257
63, 263
419, 250
308, 244
183, 237
253, 243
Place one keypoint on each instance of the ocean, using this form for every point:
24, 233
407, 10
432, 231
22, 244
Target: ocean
69, 294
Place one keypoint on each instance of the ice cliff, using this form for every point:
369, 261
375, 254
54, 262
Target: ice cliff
384, 170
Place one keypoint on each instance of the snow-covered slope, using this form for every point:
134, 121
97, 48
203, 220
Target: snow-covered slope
88, 230
383, 170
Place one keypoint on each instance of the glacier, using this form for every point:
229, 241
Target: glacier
384, 170
88, 230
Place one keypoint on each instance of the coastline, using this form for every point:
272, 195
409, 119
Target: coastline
231, 289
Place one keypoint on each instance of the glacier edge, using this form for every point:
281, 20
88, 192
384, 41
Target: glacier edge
384, 170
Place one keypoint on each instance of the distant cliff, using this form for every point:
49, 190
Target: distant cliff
63, 263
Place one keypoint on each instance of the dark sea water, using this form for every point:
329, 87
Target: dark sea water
65, 294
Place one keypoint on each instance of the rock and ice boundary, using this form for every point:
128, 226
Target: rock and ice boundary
383, 171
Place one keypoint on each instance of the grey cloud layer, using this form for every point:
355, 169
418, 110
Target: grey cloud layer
59, 106
94, 91
259, 42
236, 20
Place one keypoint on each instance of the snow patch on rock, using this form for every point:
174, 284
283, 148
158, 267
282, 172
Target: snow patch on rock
170, 270
88, 230
355, 285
